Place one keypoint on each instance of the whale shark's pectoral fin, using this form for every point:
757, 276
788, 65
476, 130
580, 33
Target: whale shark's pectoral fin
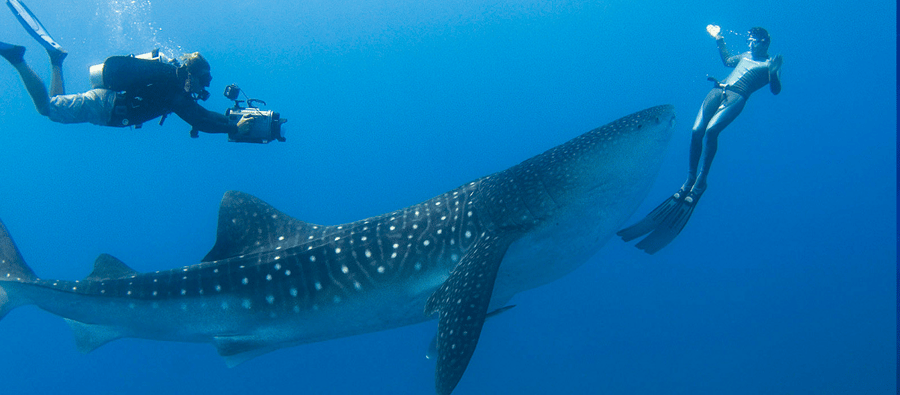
432, 347
239, 349
89, 337
462, 302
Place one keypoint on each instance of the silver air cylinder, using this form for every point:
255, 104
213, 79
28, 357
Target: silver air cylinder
97, 76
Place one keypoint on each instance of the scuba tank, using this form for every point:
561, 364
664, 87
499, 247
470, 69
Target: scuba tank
119, 73
130, 76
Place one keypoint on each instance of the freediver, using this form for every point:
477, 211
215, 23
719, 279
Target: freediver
133, 90
753, 70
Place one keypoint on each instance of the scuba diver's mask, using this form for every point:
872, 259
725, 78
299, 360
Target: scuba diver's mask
198, 71
201, 78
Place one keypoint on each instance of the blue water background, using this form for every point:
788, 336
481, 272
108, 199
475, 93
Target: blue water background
782, 283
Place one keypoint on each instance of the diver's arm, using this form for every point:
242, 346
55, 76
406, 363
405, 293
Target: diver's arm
775, 75
200, 118
728, 59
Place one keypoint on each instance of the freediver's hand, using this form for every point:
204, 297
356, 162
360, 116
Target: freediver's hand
713, 30
775, 66
245, 123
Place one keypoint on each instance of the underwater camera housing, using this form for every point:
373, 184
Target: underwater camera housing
266, 125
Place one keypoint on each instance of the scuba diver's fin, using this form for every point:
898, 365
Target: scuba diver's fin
652, 220
34, 27
671, 225
13, 53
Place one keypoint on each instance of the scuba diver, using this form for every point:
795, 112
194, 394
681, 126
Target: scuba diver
127, 90
753, 70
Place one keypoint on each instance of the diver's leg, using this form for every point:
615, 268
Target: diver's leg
15, 54
35, 87
713, 117
694, 158
710, 104
57, 84
669, 211
727, 113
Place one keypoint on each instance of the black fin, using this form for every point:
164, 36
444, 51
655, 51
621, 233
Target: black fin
248, 225
651, 221
669, 228
108, 267
462, 302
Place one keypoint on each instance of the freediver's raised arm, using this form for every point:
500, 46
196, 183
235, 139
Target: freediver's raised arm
727, 58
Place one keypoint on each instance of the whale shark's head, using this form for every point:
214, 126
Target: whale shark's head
575, 196
615, 165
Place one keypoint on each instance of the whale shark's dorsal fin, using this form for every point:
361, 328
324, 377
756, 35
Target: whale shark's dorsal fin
248, 225
109, 267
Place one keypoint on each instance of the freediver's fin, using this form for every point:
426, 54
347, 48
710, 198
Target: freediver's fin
36, 29
652, 220
671, 226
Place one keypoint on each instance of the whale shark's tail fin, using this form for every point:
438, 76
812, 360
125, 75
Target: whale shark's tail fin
12, 268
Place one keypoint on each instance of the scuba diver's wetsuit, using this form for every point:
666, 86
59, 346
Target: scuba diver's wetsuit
135, 91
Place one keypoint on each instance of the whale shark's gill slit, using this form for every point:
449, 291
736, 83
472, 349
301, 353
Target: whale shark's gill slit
355, 271
547, 191
416, 227
361, 265
305, 280
334, 271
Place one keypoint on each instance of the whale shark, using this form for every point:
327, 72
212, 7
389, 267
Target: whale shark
272, 281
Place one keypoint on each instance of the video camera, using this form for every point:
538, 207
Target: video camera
266, 125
